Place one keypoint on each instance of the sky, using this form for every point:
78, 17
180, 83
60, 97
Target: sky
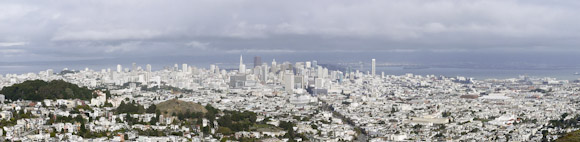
415, 31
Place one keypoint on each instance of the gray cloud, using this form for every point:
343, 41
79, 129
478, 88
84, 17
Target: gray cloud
69, 29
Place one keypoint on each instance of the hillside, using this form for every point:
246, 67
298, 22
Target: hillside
570, 137
175, 106
38, 90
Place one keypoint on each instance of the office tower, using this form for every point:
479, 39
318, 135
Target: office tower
373, 67
289, 82
237, 81
212, 68
318, 83
184, 68
175, 67
382, 74
242, 68
148, 66
257, 61
308, 64
119, 68
265, 73
320, 72
274, 66
298, 82
314, 64
158, 80
134, 67
147, 76
49, 72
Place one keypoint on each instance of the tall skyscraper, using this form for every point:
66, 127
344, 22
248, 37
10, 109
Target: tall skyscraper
314, 64
373, 68
148, 66
320, 72
119, 68
49, 72
257, 61
318, 83
274, 66
265, 73
184, 68
134, 67
212, 68
242, 68
289, 82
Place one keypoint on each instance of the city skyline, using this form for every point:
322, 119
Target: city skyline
289, 71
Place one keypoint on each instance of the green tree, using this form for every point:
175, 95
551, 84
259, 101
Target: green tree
151, 109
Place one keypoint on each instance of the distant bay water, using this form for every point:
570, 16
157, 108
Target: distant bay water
480, 74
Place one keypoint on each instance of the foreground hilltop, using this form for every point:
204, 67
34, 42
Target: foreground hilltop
175, 106
570, 137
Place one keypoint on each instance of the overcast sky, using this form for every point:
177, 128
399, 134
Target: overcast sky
96, 29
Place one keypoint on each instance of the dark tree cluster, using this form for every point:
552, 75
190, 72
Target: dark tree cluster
64, 119
131, 107
238, 121
38, 90
288, 126
189, 115
445, 114
563, 124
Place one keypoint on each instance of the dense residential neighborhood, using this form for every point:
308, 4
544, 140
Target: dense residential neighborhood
300, 101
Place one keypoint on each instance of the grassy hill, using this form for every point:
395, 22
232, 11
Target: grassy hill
175, 106
570, 137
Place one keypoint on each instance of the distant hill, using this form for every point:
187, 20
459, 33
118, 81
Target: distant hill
38, 90
570, 137
176, 106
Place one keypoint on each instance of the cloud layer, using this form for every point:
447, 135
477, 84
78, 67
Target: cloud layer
69, 29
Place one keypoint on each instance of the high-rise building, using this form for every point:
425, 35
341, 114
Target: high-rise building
320, 72
373, 68
274, 66
242, 68
289, 82
265, 73
314, 64
134, 67
184, 68
257, 61
49, 72
318, 83
119, 68
237, 81
212, 68
148, 66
